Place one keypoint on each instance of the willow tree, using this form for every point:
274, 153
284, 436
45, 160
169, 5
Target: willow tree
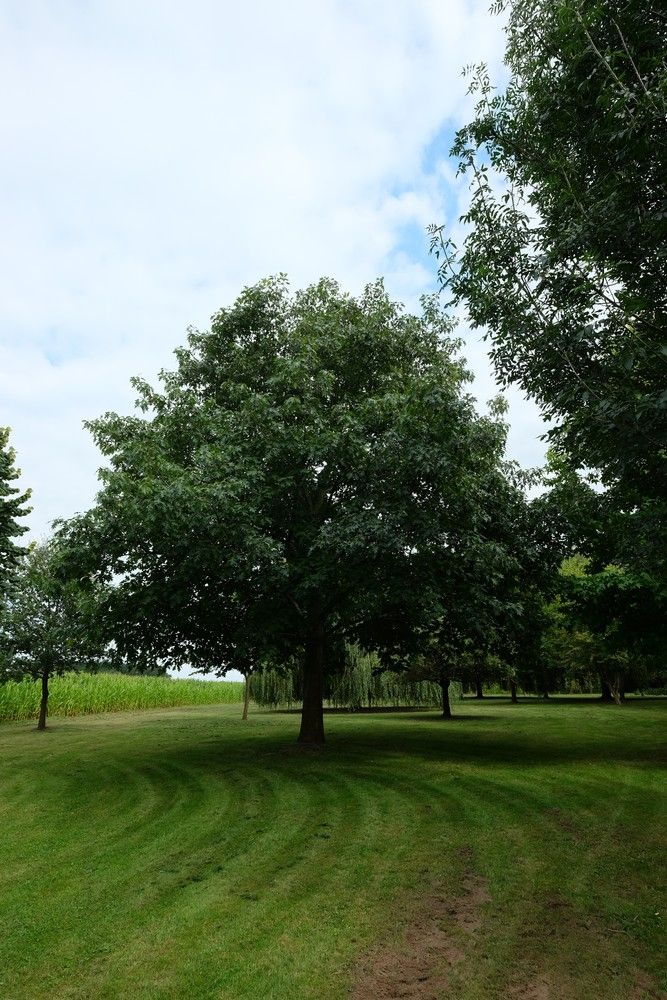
312, 461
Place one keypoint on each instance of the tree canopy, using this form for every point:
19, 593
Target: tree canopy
564, 263
48, 627
313, 464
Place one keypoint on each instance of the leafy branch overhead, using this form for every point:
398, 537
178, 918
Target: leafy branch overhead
564, 262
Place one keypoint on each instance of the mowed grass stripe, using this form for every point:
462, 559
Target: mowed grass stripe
187, 854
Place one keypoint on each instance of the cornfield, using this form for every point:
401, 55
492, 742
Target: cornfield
83, 694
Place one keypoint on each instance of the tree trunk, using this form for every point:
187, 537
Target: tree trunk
312, 713
478, 688
616, 687
545, 684
606, 691
446, 707
246, 696
41, 722
513, 696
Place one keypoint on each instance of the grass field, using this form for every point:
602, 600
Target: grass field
84, 694
516, 852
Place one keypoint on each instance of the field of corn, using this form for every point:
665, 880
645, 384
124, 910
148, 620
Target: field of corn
85, 694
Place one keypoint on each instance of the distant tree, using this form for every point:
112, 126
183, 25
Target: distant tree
618, 624
312, 462
487, 592
564, 260
48, 627
12, 509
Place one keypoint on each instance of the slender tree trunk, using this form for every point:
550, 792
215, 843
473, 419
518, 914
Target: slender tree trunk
545, 684
478, 688
606, 691
246, 696
41, 722
513, 696
312, 713
446, 707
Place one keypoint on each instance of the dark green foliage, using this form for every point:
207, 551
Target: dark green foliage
606, 628
567, 269
12, 509
361, 683
622, 620
48, 625
310, 467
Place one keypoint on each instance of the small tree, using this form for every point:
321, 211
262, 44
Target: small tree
48, 627
12, 509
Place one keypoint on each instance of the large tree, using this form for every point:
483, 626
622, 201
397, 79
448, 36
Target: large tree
564, 262
312, 462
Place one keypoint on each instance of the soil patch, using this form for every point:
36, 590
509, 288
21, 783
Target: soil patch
419, 963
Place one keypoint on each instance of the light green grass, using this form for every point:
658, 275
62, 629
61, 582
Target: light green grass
185, 854
84, 694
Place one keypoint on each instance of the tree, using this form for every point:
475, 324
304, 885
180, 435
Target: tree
617, 624
564, 262
48, 626
12, 509
311, 463
485, 610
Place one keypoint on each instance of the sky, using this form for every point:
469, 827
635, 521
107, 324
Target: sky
159, 156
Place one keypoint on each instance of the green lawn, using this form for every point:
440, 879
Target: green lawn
184, 854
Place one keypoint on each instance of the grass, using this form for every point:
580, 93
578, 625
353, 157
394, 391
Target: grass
85, 694
184, 854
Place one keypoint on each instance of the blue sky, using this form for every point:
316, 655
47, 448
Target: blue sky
159, 156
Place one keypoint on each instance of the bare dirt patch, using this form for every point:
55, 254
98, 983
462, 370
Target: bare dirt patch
645, 988
418, 964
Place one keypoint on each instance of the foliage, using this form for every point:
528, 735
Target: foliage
48, 625
564, 263
606, 626
45, 626
311, 466
12, 509
487, 623
85, 694
362, 683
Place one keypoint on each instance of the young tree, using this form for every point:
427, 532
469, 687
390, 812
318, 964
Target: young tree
12, 509
48, 628
312, 462
564, 261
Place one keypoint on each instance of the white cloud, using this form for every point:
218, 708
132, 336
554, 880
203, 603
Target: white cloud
159, 156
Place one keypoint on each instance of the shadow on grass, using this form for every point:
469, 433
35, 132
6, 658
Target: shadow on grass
482, 740
203, 741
